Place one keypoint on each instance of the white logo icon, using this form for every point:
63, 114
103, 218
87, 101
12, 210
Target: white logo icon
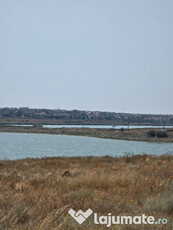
80, 216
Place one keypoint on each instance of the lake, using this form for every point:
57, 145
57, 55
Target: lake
26, 145
96, 126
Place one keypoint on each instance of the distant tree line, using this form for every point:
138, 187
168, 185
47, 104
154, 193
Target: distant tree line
78, 115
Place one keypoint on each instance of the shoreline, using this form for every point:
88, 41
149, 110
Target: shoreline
139, 134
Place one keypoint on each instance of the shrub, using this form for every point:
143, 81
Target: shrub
151, 133
161, 134
122, 129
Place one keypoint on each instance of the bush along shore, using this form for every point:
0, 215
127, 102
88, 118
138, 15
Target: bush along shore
38, 193
142, 134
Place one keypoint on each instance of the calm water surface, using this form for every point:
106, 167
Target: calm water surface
97, 126
22, 145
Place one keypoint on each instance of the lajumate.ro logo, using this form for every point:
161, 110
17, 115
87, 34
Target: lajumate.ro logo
110, 220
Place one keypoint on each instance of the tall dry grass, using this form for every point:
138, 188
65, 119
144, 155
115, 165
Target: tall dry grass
34, 194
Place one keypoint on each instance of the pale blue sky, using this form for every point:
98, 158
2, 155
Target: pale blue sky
109, 55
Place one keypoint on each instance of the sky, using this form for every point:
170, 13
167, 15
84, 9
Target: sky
102, 55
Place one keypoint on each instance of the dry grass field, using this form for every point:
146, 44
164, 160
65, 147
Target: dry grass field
126, 134
36, 194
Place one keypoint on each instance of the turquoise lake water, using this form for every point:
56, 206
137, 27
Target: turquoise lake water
22, 145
